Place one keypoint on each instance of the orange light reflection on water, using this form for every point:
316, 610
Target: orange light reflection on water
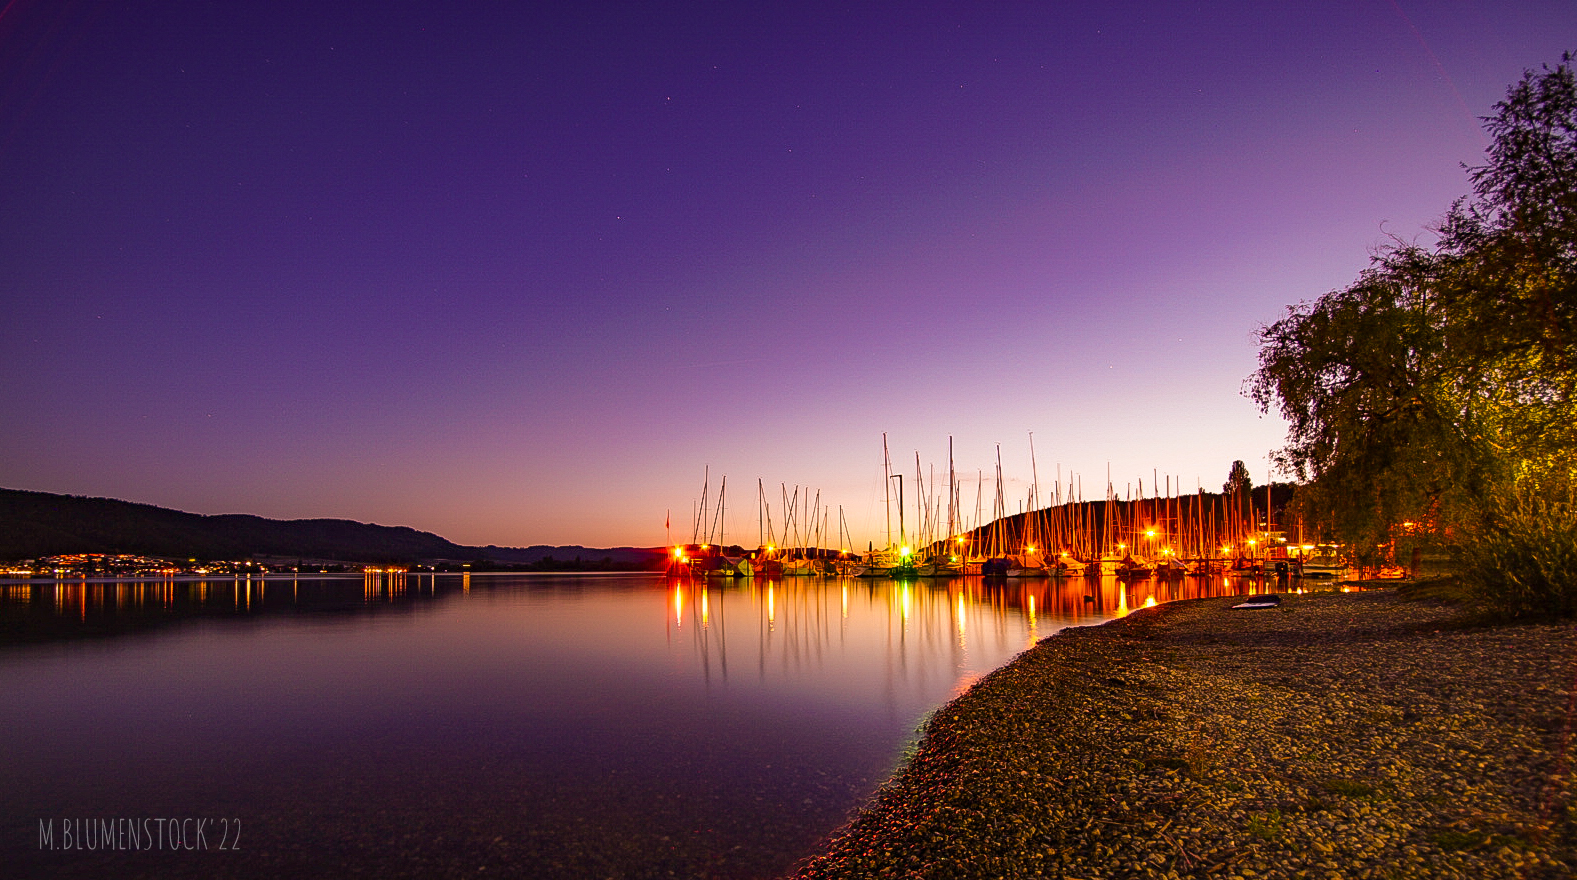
962, 611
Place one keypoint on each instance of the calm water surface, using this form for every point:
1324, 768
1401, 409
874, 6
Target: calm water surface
543, 725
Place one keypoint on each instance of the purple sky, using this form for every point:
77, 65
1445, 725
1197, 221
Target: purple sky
517, 276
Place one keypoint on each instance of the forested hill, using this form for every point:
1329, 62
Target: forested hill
38, 524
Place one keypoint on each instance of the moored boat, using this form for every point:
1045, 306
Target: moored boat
1067, 565
1324, 562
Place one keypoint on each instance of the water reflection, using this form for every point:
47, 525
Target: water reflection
803, 627
595, 725
142, 603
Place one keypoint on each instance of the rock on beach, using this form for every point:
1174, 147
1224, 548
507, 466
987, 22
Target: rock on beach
1342, 735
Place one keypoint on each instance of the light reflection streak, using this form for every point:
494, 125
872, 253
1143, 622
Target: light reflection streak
797, 619
962, 612
958, 622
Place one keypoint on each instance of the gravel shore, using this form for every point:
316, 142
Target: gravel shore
1343, 735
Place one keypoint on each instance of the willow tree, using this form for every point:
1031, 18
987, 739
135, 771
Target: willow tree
1508, 279
1442, 379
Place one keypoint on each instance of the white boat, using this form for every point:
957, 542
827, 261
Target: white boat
1323, 565
1067, 565
799, 567
938, 566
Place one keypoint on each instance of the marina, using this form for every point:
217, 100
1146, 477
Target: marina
1140, 533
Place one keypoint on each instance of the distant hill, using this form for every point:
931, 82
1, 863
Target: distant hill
37, 524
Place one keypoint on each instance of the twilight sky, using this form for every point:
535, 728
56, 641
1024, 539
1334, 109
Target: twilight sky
515, 273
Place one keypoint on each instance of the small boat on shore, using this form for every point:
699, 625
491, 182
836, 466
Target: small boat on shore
1252, 603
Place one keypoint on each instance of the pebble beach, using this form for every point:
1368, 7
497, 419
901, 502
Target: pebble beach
1339, 735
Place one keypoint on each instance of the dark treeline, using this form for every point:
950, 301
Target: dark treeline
1254, 508
40, 524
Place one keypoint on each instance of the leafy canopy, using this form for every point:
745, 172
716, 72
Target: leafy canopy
1444, 375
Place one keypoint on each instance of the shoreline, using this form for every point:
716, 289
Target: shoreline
1341, 735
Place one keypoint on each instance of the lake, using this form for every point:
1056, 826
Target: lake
572, 726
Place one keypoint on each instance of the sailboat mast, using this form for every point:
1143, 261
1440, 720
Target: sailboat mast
952, 524
902, 539
887, 483
700, 515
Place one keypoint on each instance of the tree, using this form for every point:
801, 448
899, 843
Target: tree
1444, 376
1509, 259
1237, 479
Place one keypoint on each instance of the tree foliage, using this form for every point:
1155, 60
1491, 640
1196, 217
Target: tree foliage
1445, 375
1237, 479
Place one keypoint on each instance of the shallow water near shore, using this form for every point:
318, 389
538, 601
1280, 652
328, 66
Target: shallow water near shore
549, 725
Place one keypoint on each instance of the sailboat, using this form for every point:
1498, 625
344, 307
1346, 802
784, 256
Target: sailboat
896, 561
